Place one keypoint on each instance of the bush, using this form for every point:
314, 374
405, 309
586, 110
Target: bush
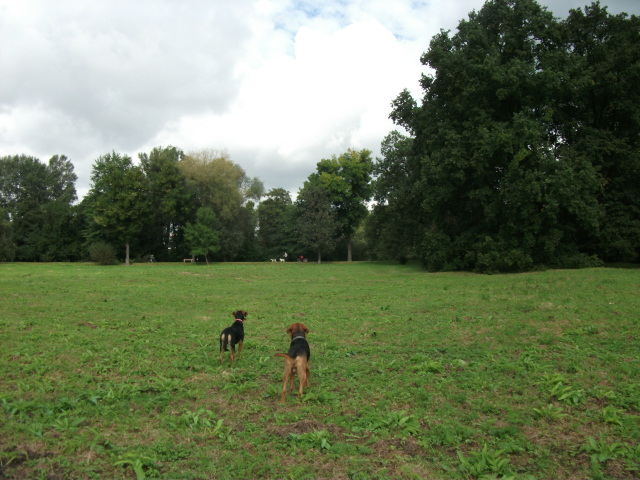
437, 251
102, 253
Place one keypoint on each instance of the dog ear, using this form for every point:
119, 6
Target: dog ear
289, 330
234, 314
245, 313
306, 330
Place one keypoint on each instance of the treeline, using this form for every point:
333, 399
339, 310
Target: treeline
169, 206
522, 152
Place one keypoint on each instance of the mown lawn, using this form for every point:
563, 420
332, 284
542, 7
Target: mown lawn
112, 372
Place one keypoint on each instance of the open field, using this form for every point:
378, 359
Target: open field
112, 372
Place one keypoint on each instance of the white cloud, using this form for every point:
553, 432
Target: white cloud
279, 84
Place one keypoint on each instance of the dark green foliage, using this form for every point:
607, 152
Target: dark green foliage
347, 181
393, 228
39, 221
171, 203
276, 223
603, 120
525, 147
203, 237
317, 223
118, 203
102, 253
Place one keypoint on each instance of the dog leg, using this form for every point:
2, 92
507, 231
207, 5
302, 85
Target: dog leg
222, 347
302, 368
285, 377
232, 351
292, 378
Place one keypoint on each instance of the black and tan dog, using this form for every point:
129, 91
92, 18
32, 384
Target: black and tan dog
233, 335
296, 360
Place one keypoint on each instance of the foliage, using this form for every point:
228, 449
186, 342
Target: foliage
118, 200
203, 237
601, 122
347, 181
102, 253
486, 461
170, 200
316, 219
275, 223
36, 201
522, 153
218, 183
508, 164
396, 198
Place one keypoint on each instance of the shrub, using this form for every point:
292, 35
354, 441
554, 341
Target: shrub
102, 253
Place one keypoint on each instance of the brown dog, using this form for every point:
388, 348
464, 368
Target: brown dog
233, 335
296, 360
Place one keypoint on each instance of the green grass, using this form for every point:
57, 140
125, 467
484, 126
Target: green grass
112, 372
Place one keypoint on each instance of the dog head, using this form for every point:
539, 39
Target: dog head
240, 314
297, 329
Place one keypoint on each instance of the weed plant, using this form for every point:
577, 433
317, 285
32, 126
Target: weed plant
112, 372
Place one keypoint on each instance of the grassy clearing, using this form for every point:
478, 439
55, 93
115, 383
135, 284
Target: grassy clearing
111, 372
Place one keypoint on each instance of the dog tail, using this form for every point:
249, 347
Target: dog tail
286, 357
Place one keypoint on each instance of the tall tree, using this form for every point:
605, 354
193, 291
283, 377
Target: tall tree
203, 237
7, 244
37, 200
393, 228
223, 186
500, 190
275, 231
171, 202
118, 200
24, 194
601, 120
347, 181
63, 237
316, 219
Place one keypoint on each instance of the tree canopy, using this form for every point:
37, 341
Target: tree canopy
37, 219
517, 141
118, 201
317, 220
347, 181
203, 237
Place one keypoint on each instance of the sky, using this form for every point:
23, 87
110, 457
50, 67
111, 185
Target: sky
276, 84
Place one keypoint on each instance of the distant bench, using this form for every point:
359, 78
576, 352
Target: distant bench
190, 260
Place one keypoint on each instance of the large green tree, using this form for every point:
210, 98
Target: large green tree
275, 223
171, 201
600, 120
317, 223
502, 184
203, 237
393, 228
118, 201
223, 186
37, 201
347, 180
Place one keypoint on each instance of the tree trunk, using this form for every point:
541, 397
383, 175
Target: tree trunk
349, 249
126, 259
319, 257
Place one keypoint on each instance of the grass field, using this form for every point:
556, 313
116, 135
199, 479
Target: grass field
112, 372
